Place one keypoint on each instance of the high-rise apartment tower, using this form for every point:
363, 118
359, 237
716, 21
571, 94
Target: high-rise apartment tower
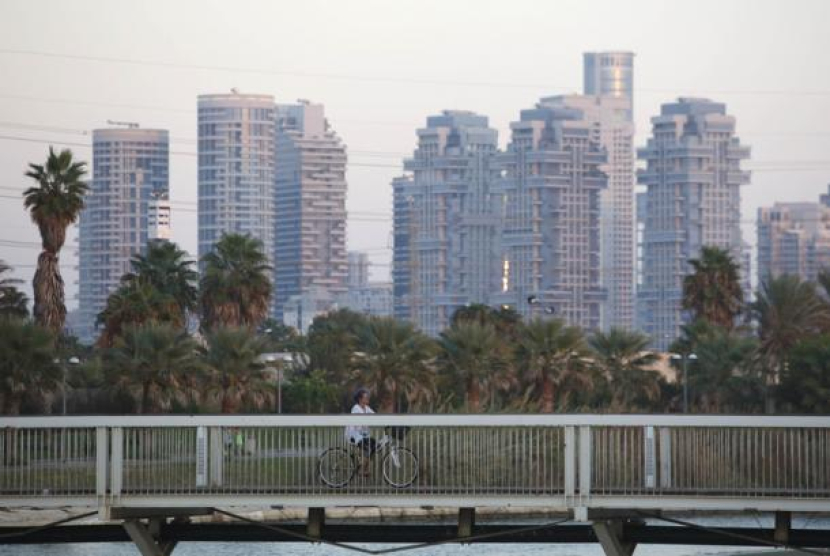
693, 179
130, 171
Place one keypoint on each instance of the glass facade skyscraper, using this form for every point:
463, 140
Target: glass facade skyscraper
610, 74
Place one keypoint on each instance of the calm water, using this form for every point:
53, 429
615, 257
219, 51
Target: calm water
304, 549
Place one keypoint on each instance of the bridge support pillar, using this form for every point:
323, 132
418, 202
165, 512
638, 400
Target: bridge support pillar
316, 522
146, 537
783, 524
610, 537
466, 522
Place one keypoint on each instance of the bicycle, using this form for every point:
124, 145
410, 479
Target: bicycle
338, 466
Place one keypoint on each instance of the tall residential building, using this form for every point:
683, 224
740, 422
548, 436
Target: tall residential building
693, 178
611, 128
549, 197
358, 269
300, 310
610, 74
445, 231
793, 238
158, 216
373, 299
310, 207
130, 169
369, 298
236, 168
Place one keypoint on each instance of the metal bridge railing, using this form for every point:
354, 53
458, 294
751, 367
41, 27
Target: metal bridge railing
52, 461
284, 460
736, 461
564, 461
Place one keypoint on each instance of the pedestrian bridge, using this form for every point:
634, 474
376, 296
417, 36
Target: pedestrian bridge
572, 463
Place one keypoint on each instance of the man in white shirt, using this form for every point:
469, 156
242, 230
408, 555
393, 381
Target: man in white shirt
359, 435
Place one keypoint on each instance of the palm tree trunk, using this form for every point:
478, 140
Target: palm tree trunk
547, 394
227, 404
145, 398
387, 404
474, 395
49, 309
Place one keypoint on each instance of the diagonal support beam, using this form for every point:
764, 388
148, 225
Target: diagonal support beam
147, 542
610, 537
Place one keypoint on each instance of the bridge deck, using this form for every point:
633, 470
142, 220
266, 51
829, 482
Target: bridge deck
570, 462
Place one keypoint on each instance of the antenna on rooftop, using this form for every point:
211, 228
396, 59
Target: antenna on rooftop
129, 125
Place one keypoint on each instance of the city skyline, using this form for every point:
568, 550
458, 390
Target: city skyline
380, 119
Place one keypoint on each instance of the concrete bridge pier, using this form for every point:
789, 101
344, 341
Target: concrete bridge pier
610, 536
145, 536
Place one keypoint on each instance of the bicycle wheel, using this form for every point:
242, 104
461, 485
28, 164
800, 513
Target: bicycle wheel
400, 467
336, 467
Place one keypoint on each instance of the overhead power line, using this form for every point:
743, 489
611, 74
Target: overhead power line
173, 138
381, 79
805, 165
172, 152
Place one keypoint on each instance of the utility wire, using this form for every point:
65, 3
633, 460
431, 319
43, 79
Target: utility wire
825, 164
378, 79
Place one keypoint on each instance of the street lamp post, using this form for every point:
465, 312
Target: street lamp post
283, 359
72, 361
685, 363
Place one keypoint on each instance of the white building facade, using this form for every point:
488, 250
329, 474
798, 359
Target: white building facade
130, 171
310, 206
548, 192
614, 132
693, 182
793, 238
236, 168
445, 230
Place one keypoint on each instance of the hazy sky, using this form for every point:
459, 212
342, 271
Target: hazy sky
380, 67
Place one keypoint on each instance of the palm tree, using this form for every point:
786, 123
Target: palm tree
12, 301
236, 370
723, 377
787, 310
624, 358
54, 204
167, 268
469, 351
824, 281
137, 303
160, 288
713, 290
236, 284
548, 356
393, 360
331, 342
27, 363
155, 364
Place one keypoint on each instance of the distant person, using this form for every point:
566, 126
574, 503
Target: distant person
360, 435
